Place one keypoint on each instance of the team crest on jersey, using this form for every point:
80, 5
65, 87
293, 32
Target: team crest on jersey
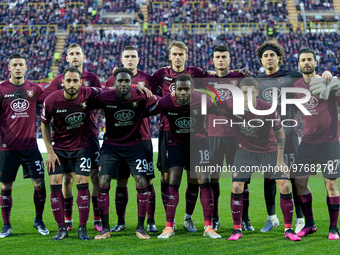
86, 83
141, 83
281, 80
30, 93
135, 104
84, 104
312, 103
172, 87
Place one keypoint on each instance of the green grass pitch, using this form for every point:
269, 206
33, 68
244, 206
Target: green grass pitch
26, 240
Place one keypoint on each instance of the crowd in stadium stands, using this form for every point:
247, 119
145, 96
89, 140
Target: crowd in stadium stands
46, 12
126, 6
37, 49
259, 11
316, 4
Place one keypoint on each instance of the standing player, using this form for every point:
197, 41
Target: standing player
18, 144
71, 151
165, 78
258, 147
319, 146
271, 56
75, 57
130, 60
124, 111
187, 148
222, 140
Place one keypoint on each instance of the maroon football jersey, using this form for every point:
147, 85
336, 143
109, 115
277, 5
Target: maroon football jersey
17, 115
71, 118
186, 122
89, 80
165, 79
124, 118
213, 80
255, 137
323, 125
141, 79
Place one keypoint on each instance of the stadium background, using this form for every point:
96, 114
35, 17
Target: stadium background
41, 30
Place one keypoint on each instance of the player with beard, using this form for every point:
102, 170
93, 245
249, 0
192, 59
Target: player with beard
187, 148
70, 109
124, 112
319, 146
130, 60
258, 147
271, 56
75, 57
222, 140
18, 144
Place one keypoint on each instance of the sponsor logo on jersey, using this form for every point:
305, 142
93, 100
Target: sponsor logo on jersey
312, 103
111, 106
62, 110
185, 122
9, 95
172, 113
224, 94
20, 105
267, 94
30, 93
124, 115
168, 79
75, 118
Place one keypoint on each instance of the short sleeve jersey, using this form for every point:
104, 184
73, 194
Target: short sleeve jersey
71, 118
145, 80
280, 79
322, 126
17, 115
124, 118
165, 79
89, 80
186, 122
212, 80
255, 133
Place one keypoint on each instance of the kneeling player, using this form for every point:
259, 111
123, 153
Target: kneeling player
258, 147
70, 109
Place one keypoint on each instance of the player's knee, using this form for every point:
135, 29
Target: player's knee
284, 186
122, 183
237, 187
165, 177
140, 181
332, 187
6, 185
68, 179
104, 180
94, 175
39, 183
